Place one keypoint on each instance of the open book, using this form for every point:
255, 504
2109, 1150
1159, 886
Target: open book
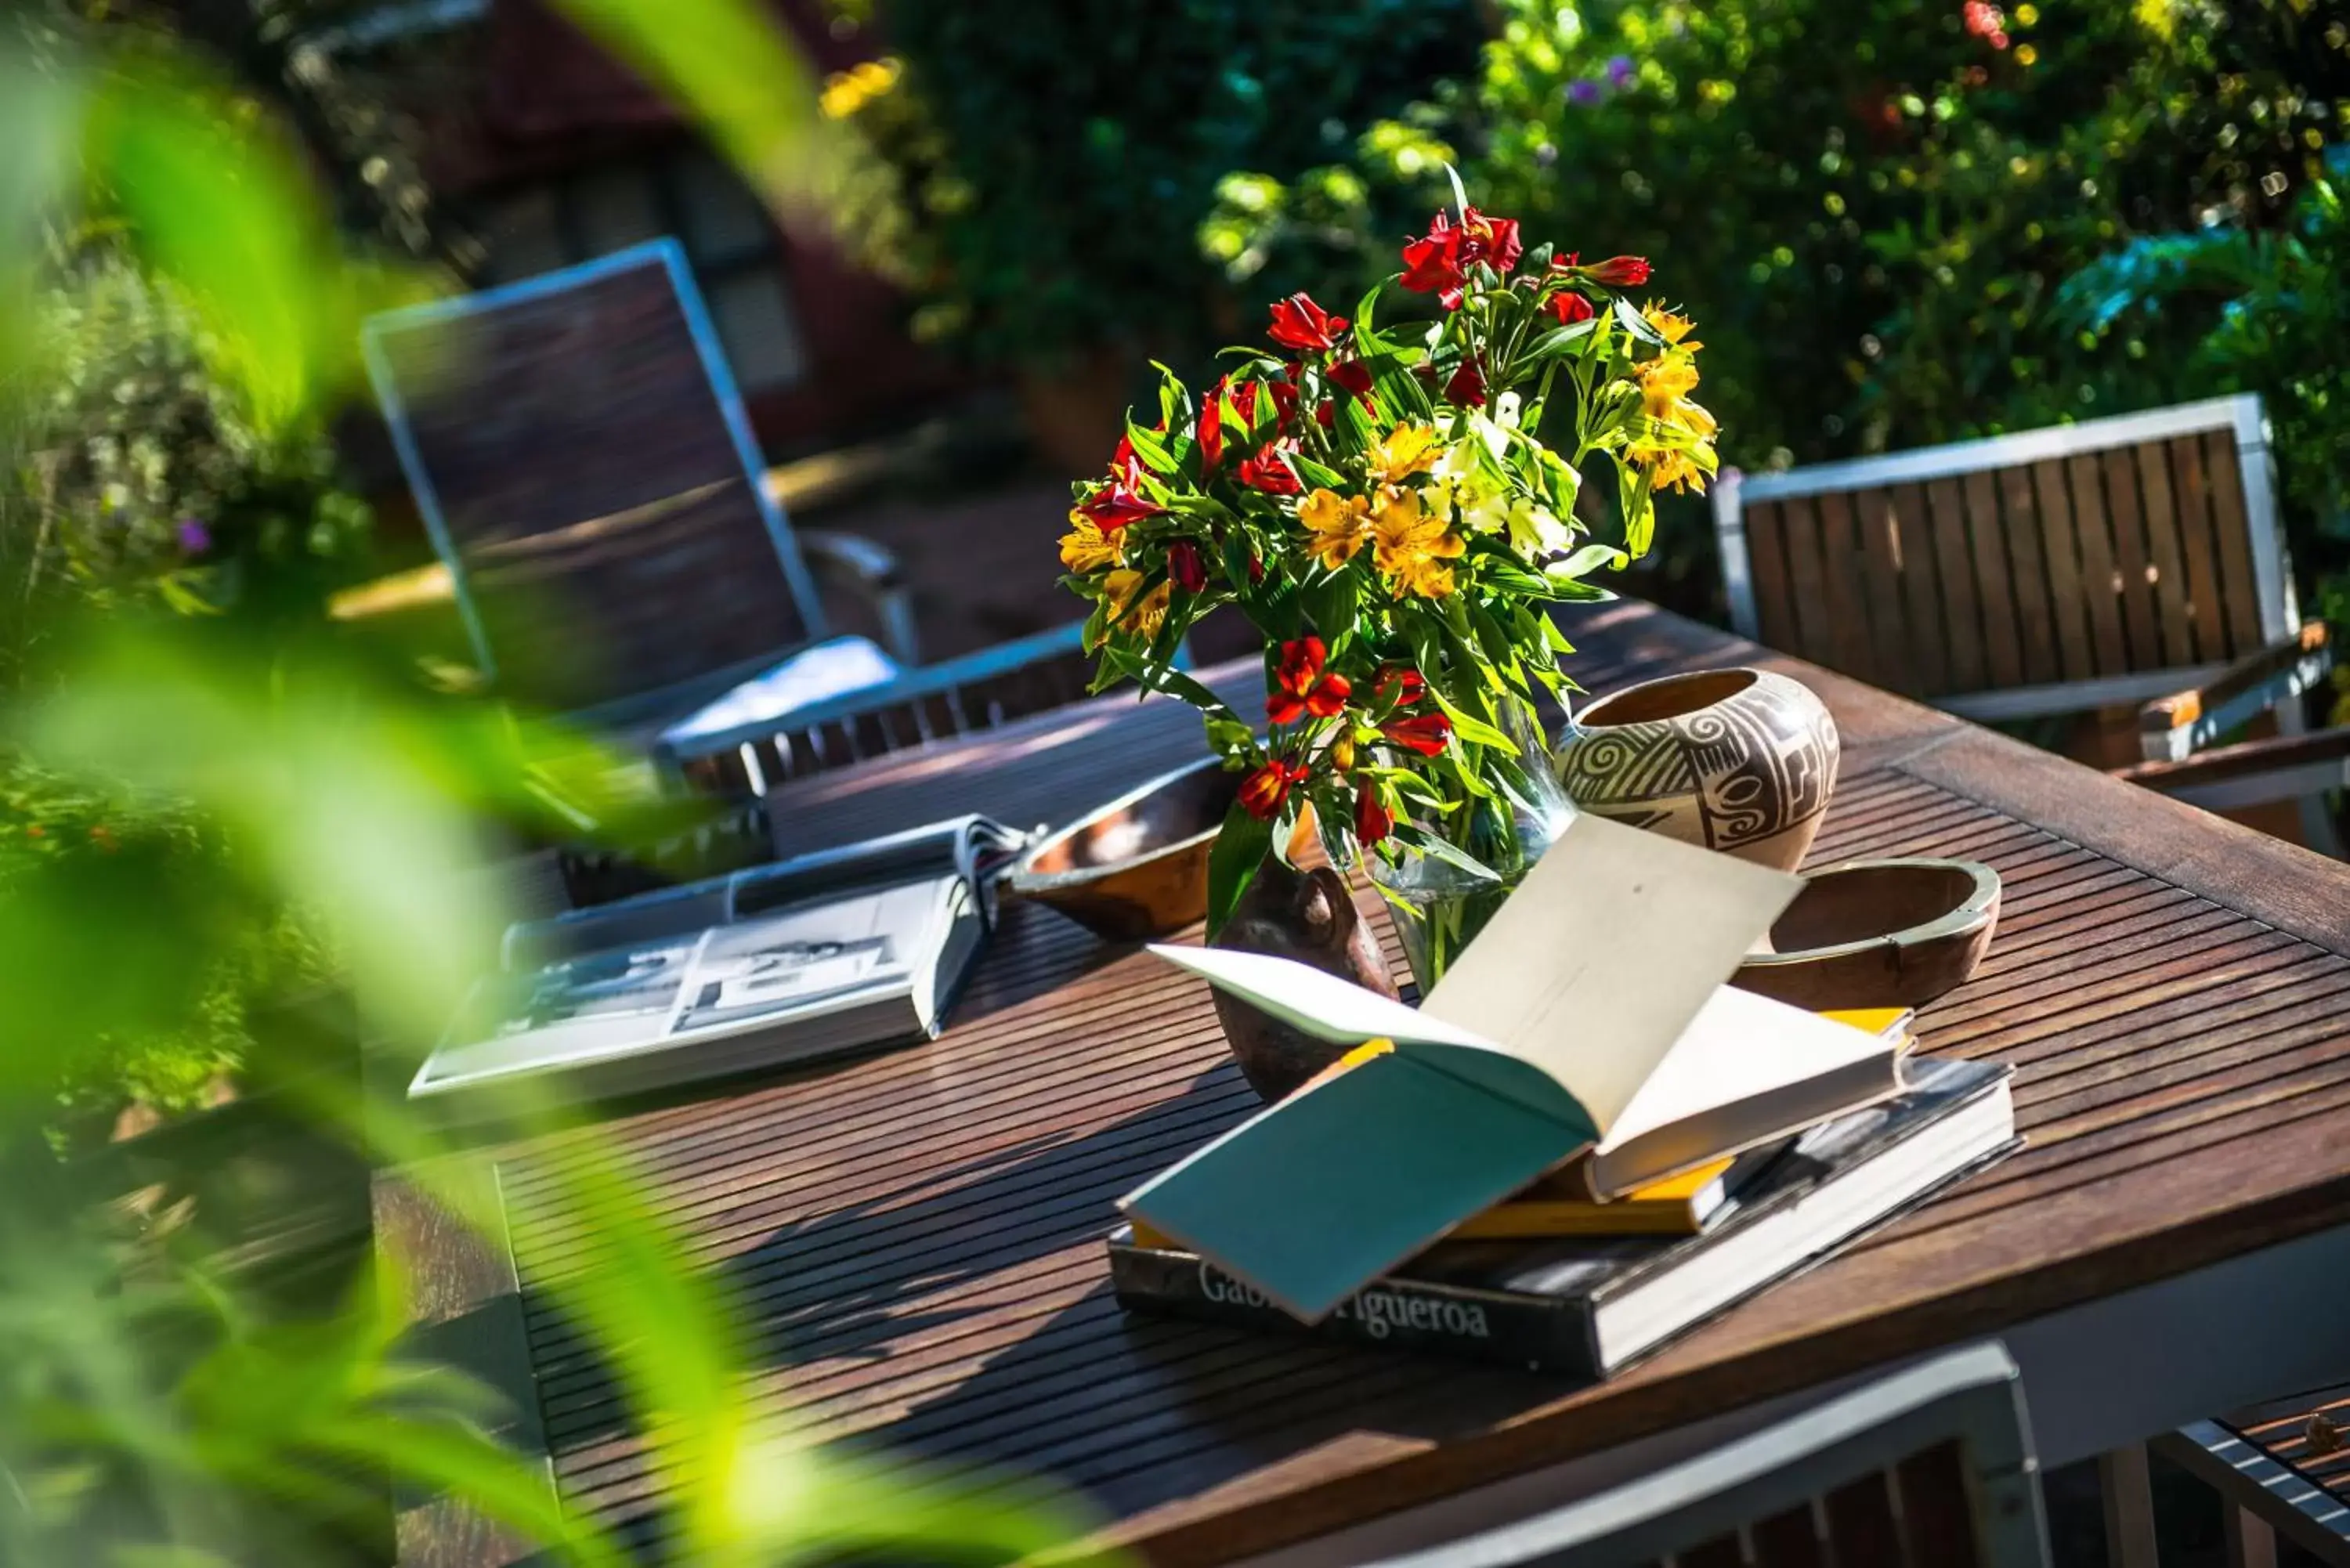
837, 951
1588, 1021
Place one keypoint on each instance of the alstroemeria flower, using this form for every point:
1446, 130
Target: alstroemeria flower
1140, 613
1185, 568
1423, 732
1438, 261
1211, 416
1084, 548
1341, 525
1352, 375
1263, 791
1115, 505
1266, 471
1414, 546
1373, 821
1403, 452
1402, 683
1303, 686
1568, 306
1620, 272
1285, 397
1466, 385
1672, 328
1299, 322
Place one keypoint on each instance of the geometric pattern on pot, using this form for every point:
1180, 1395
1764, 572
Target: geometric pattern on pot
1724, 758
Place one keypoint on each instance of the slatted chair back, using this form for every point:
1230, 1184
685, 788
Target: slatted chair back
937, 702
1929, 1467
581, 458
2051, 571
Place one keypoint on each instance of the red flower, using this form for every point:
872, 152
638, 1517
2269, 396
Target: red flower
1373, 821
1467, 387
1285, 397
1185, 567
1423, 733
1568, 306
1354, 376
1438, 261
1304, 687
1402, 683
1620, 272
1263, 791
1115, 505
1212, 417
1268, 472
1299, 322
1431, 263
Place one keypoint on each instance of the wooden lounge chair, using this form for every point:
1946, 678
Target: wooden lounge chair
1931, 1465
2125, 561
582, 463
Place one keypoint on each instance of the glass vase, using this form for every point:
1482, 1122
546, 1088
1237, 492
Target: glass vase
1439, 904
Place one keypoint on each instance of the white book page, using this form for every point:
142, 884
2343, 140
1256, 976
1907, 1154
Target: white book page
1322, 1004
1739, 1045
770, 965
1597, 964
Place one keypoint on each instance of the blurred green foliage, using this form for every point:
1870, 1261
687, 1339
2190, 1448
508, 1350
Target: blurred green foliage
1872, 203
1036, 175
211, 801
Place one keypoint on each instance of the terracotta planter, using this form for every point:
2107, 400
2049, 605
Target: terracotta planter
1742, 761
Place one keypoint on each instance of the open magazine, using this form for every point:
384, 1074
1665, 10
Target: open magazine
839, 951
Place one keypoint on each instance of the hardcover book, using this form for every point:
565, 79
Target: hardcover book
1587, 1023
839, 950
1589, 1305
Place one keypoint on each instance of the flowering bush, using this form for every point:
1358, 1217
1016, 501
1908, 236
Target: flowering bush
1382, 504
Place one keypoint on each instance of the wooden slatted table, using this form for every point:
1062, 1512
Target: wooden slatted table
920, 1233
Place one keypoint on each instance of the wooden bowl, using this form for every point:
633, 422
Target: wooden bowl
1877, 933
1136, 868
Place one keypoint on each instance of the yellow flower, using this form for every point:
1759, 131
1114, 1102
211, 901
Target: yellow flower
1340, 525
845, 92
1342, 754
1672, 329
1086, 548
1669, 468
1666, 383
1142, 617
1414, 546
1408, 450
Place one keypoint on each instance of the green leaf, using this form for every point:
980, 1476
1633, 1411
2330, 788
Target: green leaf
1240, 848
1589, 559
1468, 726
1414, 837
1150, 447
1330, 604
1317, 475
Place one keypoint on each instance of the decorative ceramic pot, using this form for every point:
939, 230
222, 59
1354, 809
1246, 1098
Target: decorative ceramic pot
1740, 761
1303, 915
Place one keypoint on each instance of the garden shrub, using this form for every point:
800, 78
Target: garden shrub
1036, 175
1871, 203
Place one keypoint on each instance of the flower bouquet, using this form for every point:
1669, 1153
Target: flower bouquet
1393, 505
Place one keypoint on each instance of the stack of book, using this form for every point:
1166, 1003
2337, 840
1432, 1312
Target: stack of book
1581, 1145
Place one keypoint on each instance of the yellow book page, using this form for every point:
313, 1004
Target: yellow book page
1885, 1023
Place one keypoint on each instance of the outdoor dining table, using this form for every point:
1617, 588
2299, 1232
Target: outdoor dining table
919, 1233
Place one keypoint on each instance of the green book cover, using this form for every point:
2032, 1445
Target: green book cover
1588, 1019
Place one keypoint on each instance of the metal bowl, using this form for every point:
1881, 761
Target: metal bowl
1879, 933
1136, 868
